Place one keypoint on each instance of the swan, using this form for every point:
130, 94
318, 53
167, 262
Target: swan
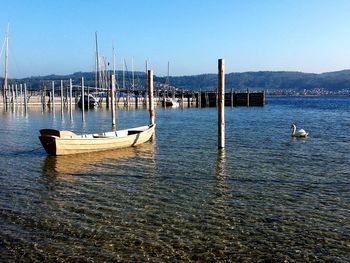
300, 133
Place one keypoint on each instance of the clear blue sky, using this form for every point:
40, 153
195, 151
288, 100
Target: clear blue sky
57, 36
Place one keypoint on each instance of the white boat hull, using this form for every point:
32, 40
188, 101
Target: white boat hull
63, 142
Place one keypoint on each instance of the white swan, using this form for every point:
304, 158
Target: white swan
300, 133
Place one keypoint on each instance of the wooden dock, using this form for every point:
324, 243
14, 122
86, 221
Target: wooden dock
233, 99
137, 98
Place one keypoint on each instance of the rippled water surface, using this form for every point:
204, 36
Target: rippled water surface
266, 198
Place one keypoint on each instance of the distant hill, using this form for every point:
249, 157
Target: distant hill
278, 82
269, 80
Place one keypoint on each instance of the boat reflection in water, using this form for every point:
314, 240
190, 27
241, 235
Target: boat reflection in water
66, 167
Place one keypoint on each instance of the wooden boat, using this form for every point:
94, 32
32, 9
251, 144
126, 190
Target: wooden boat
65, 142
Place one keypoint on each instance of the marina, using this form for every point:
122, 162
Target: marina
265, 196
138, 98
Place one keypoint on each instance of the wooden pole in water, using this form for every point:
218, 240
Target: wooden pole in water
25, 96
182, 98
113, 100
53, 96
263, 98
13, 94
62, 97
248, 97
82, 99
231, 97
71, 97
44, 97
164, 99
88, 97
221, 104
67, 99
200, 98
150, 97
20, 93
16, 94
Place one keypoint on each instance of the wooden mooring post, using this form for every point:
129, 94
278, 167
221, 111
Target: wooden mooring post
182, 98
25, 96
20, 93
248, 97
82, 100
136, 98
53, 96
150, 97
44, 98
231, 98
113, 100
221, 103
16, 94
71, 98
199, 99
62, 95
13, 95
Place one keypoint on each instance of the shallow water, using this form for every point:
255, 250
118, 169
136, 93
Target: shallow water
265, 197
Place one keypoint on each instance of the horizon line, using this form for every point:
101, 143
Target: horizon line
233, 72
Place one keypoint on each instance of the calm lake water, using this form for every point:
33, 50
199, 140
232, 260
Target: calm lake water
266, 198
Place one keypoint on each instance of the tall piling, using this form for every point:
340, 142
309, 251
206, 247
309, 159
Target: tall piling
67, 94
53, 96
88, 97
82, 100
150, 96
25, 96
20, 93
71, 98
113, 100
248, 97
62, 95
221, 103
42, 91
263, 98
16, 94
182, 99
231, 98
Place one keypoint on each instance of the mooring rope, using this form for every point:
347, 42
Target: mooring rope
25, 152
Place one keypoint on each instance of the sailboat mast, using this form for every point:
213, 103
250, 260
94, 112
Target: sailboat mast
146, 63
132, 70
97, 65
6, 63
167, 79
123, 74
168, 69
113, 59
